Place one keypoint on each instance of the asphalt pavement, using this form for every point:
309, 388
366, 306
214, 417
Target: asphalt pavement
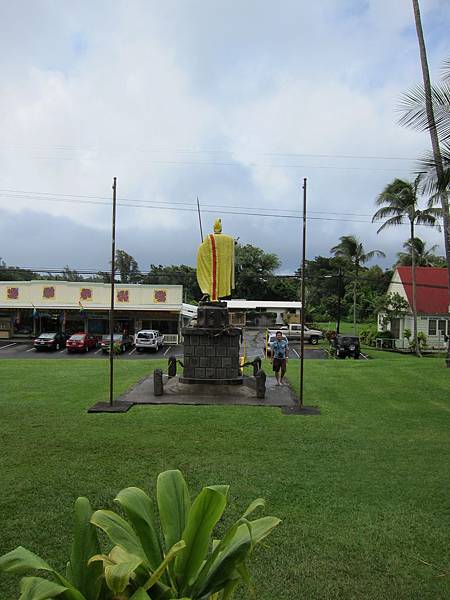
254, 346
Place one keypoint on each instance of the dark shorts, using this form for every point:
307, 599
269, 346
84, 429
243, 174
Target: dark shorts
279, 363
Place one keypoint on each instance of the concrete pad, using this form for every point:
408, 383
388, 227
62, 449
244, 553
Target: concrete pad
176, 392
106, 407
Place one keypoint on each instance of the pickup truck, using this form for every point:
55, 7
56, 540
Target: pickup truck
294, 332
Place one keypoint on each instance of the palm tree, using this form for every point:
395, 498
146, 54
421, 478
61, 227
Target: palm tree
398, 202
424, 257
352, 250
437, 122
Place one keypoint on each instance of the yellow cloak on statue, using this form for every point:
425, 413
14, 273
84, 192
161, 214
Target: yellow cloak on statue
215, 264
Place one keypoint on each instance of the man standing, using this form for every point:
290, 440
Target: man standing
280, 355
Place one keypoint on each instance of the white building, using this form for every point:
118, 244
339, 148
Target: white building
433, 310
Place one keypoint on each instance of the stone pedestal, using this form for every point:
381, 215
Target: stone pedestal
211, 354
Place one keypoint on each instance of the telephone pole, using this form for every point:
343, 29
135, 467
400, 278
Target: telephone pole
111, 312
302, 293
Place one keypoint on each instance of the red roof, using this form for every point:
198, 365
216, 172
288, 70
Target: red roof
431, 291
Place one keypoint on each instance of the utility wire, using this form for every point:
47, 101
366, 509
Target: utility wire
159, 205
182, 274
210, 151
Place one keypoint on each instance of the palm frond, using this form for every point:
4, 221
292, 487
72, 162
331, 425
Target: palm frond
446, 71
412, 105
373, 253
430, 184
427, 219
392, 222
387, 211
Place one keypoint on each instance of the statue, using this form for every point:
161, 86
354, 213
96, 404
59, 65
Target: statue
215, 264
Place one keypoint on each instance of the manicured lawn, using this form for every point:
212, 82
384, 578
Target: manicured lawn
345, 326
363, 489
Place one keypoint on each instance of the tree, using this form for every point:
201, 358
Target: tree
424, 257
176, 275
432, 123
15, 273
71, 275
324, 287
399, 201
254, 269
353, 253
128, 268
392, 306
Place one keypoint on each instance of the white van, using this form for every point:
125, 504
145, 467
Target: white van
149, 339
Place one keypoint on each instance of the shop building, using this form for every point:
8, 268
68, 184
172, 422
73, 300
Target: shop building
28, 308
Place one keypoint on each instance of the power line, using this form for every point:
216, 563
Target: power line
236, 164
160, 205
182, 274
212, 151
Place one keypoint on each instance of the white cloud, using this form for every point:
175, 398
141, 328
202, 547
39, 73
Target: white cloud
135, 89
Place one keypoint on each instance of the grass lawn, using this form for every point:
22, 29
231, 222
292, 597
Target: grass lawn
363, 490
345, 326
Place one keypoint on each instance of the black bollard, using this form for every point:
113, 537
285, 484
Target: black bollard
172, 368
158, 387
256, 366
260, 378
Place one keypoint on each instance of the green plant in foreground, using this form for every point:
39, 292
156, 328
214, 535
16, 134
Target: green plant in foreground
187, 563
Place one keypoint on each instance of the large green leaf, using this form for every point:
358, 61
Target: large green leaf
37, 588
118, 576
140, 594
206, 510
119, 532
22, 560
232, 551
157, 574
138, 508
86, 578
174, 505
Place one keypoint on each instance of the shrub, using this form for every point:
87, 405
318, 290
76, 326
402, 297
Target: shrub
422, 341
186, 562
369, 334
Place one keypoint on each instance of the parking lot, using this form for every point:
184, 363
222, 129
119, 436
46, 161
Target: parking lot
254, 346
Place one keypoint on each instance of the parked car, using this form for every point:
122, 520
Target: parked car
346, 345
148, 339
81, 342
50, 341
270, 340
120, 341
294, 331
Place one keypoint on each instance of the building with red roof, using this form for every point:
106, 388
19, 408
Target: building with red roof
432, 302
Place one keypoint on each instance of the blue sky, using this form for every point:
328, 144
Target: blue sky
233, 102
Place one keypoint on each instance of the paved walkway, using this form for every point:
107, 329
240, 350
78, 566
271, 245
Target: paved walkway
183, 393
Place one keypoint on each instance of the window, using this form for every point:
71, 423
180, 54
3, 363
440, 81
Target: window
442, 326
432, 326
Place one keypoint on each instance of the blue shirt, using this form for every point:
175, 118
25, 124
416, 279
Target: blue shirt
279, 348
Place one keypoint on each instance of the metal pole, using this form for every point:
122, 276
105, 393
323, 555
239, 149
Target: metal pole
339, 300
200, 219
302, 341
111, 312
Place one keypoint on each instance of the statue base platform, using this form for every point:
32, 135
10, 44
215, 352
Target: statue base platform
191, 380
211, 349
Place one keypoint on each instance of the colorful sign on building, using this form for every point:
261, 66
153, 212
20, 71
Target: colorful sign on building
48, 293
159, 296
86, 294
123, 296
12, 293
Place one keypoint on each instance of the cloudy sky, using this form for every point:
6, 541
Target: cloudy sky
231, 101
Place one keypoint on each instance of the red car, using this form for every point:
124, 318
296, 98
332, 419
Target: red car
81, 342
